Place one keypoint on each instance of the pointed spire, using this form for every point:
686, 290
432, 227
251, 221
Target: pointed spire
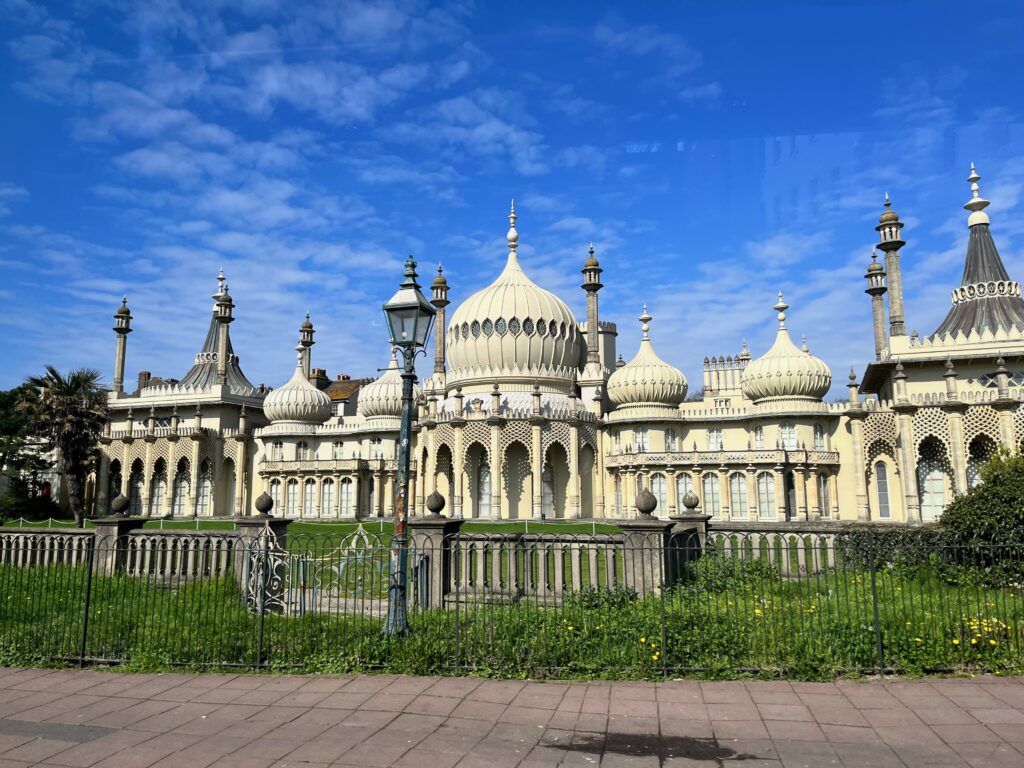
745, 351
853, 376
645, 320
803, 346
977, 204
512, 236
781, 306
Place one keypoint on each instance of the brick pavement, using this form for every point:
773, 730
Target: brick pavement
80, 719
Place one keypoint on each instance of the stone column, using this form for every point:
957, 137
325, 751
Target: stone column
459, 476
193, 484
538, 468
815, 505
753, 512
673, 491
574, 471
600, 490
241, 471
780, 493
725, 512
126, 466
147, 479
800, 486
1006, 436
859, 463
833, 494
495, 462
908, 461
955, 419
645, 540
112, 537
102, 483
432, 541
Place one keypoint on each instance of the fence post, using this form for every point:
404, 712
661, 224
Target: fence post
644, 550
115, 530
262, 602
878, 624
432, 536
89, 557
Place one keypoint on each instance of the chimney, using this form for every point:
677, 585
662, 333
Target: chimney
318, 378
144, 377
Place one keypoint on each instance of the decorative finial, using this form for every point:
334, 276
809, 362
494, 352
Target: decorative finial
299, 349
781, 306
513, 236
888, 202
645, 320
590, 250
124, 299
977, 204
853, 376
804, 347
221, 285
745, 351
440, 269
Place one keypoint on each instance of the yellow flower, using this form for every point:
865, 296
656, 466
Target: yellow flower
956, 642
570, 627
654, 657
974, 641
991, 642
919, 639
643, 640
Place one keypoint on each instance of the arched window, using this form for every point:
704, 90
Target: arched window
738, 495
275, 496
309, 498
714, 439
346, 496
882, 490
376, 449
205, 490
115, 482
302, 451
180, 490
291, 501
759, 437
158, 490
766, 495
618, 440
135, 485
327, 502
981, 449
483, 491
277, 451
819, 437
787, 434
660, 493
931, 480
684, 485
640, 439
671, 444
712, 497
339, 448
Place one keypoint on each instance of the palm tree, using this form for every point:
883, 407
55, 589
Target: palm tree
69, 412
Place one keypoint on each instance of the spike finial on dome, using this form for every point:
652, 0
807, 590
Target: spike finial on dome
803, 346
781, 306
221, 282
513, 236
298, 355
888, 202
977, 204
645, 323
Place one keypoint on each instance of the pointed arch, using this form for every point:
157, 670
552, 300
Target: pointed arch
517, 482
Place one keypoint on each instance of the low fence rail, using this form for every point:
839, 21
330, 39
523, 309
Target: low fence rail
655, 599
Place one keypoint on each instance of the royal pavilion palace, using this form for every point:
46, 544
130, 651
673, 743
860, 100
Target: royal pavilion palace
531, 413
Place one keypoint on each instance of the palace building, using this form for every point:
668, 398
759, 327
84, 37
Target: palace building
530, 413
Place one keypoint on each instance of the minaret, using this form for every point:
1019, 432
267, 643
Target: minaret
122, 327
439, 299
876, 290
306, 341
890, 242
223, 312
592, 284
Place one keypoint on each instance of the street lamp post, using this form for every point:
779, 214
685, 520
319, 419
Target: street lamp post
409, 317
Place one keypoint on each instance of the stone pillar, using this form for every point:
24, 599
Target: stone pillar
859, 464
955, 419
102, 483
112, 540
725, 512
780, 493
193, 479
538, 468
147, 478
241, 471
753, 512
673, 491
645, 541
126, 466
495, 462
833, 494
459, 479
1006, 437
815, 504
908, 462
574, 471
800, 486
432, 549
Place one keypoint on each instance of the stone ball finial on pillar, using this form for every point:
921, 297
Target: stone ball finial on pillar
119, 504
435, 503
646, 502
690, 501
264, 503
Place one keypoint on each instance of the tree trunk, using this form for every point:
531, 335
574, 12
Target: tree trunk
74, 486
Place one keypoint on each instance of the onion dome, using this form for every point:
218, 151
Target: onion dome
890, 215
123, 310
591, 261
647, 379
440, 280
513, 331
383, 397
785, 372
298, 400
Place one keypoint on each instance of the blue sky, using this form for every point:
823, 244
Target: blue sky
713, 153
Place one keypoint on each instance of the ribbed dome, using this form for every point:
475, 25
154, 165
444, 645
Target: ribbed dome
647, 379
298, 400
785, 371
383, 397
513, 330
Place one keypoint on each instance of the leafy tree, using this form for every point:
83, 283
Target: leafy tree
993, 510
68, 413
20, 453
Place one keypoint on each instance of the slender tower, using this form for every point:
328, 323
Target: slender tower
876, 290
223, 310
440, 301
890, 242
122, 327
592, 284
306, 332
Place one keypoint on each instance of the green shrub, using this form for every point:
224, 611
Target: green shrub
715, 572
992, 511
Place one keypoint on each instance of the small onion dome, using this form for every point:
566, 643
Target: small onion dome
875, 266
298, 400
123, 309
785, 371
440, 279
591, 261
647, 379
383, 397
890, 215
308, 324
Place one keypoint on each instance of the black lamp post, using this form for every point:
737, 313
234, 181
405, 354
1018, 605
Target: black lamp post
409, 316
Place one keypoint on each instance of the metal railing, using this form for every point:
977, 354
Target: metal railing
648, 602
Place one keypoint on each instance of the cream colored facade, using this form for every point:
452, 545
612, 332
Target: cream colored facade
527, 414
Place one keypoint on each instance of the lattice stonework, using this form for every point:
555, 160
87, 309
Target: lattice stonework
475, 432
137, 451
1018, 424
931, 422
444, 434
880, 448
981, 420
588, 436
555, 432
229, 449
517, 432
880, 426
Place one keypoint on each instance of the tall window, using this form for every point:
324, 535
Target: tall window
819, 437
302, 451
339, 448
275, 496
180, 490
684, 485
766, 495
618, 440
618, 495
671, 444
787, 433
660, 493
277, 451
738, 494
309, 498
205, 490
135, 490
346, 496
376, 448
291, 502
327, 502
823, 502
759, 437
483, 493
640, 439
547, 491
882, 489
157, 491
714, 439
712, 497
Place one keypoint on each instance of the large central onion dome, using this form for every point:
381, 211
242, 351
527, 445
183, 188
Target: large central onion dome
298, 400
383, 397
514, 332
647, 380
786, 372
